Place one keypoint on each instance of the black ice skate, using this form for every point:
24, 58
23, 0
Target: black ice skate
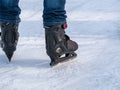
58, 45
9, 38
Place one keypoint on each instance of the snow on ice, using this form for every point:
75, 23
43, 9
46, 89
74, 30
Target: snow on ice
94, 24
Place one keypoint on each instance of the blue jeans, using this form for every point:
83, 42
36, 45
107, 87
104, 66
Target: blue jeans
53, 14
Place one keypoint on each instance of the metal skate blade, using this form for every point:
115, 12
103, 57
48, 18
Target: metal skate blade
9, 55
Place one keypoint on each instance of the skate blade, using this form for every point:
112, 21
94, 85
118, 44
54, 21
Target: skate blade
64, 59
9, 55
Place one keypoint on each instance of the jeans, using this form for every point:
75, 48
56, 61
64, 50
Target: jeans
53, 14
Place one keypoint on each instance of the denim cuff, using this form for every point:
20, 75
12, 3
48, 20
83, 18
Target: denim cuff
53, 23
10, 21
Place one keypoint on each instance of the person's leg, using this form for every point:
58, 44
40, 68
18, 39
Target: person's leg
54, 12
9, 11
9, 21
57, 42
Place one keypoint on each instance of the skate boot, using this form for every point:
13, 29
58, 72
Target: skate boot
9, 38
58, 45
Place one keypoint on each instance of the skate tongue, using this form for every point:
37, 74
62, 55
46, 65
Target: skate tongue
9, 55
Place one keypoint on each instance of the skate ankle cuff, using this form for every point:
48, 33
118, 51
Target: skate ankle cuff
63, 26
